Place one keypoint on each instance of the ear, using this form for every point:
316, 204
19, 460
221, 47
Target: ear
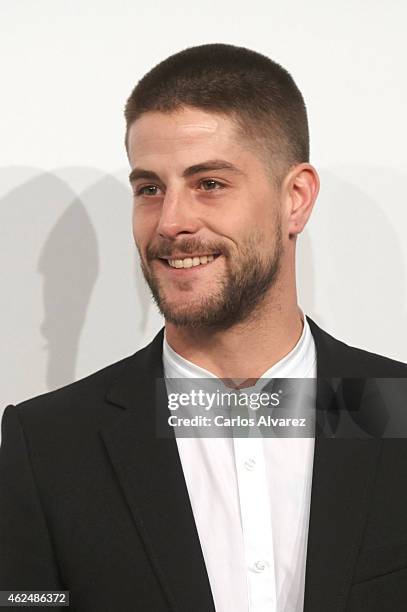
301, 187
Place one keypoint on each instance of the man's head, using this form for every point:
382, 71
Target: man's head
217, 138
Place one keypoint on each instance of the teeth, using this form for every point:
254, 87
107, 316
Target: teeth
190, 262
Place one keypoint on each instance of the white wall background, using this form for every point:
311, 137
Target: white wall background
72, 298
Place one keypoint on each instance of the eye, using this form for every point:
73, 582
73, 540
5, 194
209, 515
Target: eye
210, 185
148, 190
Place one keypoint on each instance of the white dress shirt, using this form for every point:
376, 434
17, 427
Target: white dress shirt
251, 499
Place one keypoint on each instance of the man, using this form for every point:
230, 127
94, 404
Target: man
95, 502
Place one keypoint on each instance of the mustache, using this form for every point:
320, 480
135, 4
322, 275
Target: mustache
188, 246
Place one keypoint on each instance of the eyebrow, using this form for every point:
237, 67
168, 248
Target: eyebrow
206, 166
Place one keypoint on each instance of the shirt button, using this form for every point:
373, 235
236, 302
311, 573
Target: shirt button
250, 464
260, 565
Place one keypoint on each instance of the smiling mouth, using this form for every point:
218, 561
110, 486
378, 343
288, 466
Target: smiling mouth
190, 262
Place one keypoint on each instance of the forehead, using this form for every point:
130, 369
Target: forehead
187, 132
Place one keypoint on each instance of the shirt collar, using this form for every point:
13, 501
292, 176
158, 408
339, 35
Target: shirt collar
298, 363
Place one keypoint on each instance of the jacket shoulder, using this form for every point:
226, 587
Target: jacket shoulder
337, 358
97, 379
77, 398
379, 365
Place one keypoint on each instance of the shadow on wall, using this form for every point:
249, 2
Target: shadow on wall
352, 259
96, 237
69, 265
55, 245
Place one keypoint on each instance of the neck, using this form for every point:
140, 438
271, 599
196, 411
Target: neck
245, 350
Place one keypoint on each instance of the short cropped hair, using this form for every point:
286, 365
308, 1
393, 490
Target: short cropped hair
253, 90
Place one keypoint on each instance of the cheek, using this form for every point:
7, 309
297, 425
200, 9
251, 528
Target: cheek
135, 225
143, 225
140, 236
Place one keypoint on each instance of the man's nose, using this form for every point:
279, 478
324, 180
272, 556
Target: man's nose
178, 215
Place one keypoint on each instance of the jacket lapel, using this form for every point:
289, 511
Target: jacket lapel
343, 476
151, 477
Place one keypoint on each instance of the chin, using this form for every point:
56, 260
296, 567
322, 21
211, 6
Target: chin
185, 313
197, 317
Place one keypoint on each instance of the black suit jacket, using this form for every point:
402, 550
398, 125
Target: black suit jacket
94, 503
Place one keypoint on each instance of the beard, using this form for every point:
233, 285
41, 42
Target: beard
236, 295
